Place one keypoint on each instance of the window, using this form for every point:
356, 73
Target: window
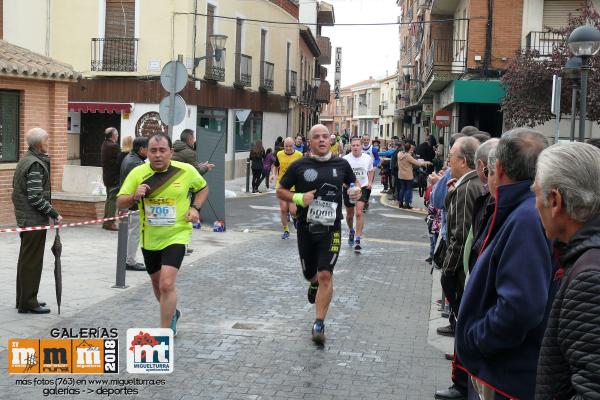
248, 132
9, 126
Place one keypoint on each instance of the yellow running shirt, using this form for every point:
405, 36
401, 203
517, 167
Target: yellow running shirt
283, 162
162, 213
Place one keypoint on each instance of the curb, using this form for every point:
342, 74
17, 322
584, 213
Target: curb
384, 201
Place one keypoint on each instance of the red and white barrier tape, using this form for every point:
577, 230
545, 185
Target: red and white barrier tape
41, 228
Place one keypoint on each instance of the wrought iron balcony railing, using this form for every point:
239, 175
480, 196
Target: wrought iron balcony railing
244, 78
292, 83
215, 69
543, 42
114, 54
446, 55
267, 78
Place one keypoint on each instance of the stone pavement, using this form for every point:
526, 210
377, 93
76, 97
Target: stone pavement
245, 330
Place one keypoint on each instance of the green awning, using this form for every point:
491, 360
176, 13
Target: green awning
476, 91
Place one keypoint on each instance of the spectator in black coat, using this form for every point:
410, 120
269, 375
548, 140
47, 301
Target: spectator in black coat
567, 189
110, 159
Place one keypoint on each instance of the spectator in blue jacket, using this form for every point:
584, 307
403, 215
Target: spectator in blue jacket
505, 306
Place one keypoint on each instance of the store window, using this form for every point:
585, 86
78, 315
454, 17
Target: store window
249, 132
9, 126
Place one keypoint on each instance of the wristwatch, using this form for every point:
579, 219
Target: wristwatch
198, 208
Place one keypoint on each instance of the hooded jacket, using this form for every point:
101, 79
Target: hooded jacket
186, 154
505, 305
569, 365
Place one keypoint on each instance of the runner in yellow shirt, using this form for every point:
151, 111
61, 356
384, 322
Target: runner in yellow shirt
161, 190
283, 160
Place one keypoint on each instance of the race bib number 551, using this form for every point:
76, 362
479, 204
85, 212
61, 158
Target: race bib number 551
160, 211
322, 212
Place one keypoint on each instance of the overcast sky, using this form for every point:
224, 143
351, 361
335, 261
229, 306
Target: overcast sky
366, 50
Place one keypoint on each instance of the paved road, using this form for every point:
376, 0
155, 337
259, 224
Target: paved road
245, 331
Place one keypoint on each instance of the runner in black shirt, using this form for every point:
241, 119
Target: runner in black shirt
318, 184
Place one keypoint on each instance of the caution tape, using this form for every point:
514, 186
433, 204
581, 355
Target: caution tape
73, 224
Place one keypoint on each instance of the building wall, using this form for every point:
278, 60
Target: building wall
31, 35
506, 31
42, 104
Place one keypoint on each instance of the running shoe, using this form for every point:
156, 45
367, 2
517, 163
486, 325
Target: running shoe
176, 317
351, 238
312, 292
286, 235
318, 333
357, 248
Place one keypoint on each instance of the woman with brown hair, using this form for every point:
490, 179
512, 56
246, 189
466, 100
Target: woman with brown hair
257, 155
406, 162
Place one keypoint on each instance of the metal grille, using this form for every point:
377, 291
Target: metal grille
267, 83
114, 54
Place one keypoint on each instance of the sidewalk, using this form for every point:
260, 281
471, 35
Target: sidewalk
89, 270
237, 188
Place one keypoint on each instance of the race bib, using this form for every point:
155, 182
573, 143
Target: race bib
322, 212
160, 211
360, 173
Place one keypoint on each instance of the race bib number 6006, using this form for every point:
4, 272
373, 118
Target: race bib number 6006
322, 212
160, 211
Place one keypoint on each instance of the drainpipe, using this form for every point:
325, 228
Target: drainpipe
194, 38
47, 52
487, 60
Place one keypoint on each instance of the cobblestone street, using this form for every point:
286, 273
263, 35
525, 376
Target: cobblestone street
245, 329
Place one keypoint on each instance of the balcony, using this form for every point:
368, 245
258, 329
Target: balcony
215, 69
292, 83
444, 7
325, 47
323, 92
445, 57
244, 71
543, 42
114, 54
266, 84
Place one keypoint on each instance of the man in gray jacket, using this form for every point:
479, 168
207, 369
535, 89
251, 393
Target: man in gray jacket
185, 151
136, 157
31, 200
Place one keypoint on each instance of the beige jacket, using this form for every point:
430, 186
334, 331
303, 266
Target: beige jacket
405, 165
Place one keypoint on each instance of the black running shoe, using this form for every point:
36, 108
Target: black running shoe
312, 292
357, 247
318, 333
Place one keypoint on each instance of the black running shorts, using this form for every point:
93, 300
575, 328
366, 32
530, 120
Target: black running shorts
364, 196
171, 255
318, 251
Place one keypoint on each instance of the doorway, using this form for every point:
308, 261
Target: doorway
92, 135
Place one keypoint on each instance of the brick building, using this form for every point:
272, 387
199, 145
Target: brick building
33, 93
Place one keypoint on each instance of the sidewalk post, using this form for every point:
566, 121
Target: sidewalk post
121, 253
247, 175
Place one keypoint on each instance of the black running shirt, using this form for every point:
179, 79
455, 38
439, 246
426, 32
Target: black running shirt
326, 177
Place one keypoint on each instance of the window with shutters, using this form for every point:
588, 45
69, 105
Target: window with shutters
556, 12
9, 126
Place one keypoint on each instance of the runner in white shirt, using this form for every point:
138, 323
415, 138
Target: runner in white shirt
362, 165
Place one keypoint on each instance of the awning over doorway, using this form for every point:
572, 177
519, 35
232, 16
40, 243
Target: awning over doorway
91, 107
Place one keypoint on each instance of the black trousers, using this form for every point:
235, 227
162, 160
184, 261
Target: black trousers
29, 268
453, 285
257, 175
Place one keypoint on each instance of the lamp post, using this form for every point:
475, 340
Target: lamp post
217, 43
572, 71
584, 42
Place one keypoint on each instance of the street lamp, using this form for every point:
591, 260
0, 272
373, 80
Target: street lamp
572, 71
584, 42
217, 43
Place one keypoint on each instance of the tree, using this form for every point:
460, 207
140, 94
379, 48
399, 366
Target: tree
528, 79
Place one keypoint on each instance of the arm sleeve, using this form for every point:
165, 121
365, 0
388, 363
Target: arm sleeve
130, 184
35, 197
579, 333
523, 278
288, 180
459, 224
440, 191
370, 166
197, 182
349, 175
